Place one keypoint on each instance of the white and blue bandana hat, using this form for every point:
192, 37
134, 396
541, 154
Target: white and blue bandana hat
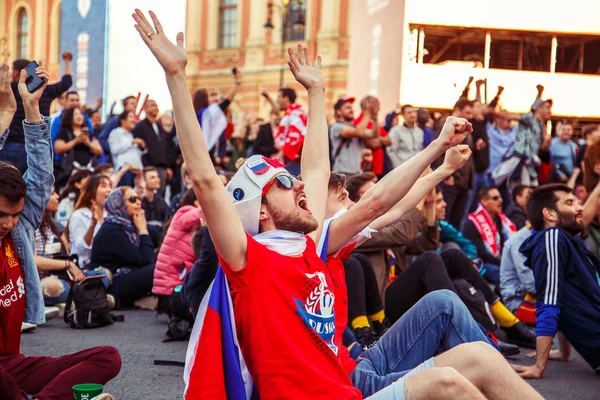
245, 189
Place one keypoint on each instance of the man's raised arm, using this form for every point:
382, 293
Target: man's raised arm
315, 152
223, 222
394, 186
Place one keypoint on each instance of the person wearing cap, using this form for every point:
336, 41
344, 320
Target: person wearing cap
347, 140
407, 139
265, 226
531, 138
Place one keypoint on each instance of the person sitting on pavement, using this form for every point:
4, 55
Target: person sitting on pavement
488, 228
567, 279
154, 205
176, 256
56, 268
450, 237
516, 209
22, 203
87, 218
277, 206
69, 197
124, 246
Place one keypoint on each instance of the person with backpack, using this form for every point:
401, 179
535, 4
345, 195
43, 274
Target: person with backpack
123, 245
22, 203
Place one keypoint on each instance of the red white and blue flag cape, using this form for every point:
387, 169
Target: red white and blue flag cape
291, 133
214, 365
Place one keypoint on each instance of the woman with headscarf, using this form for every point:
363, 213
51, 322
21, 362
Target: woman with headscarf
124, 246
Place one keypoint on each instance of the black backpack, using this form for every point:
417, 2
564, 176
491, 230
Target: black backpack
87, 305
476, 303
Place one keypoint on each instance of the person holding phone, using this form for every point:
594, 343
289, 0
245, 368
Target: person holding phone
22, 203
14, 148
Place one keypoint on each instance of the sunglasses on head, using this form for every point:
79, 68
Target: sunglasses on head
285, 181
133, 199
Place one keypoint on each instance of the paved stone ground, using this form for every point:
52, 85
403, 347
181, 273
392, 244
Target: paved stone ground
139, 339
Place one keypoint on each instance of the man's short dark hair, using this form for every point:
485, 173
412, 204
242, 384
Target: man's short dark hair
484, 192
517, 191
336, 181
588, 130
123, 116
543, 197
355, 182
149, 169
20, 64
124, 102
462, 103
72, 92
12, 185
289, 93
405, 107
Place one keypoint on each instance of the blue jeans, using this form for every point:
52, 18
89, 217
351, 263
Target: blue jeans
438, 322
492, 273
64, 293
15, 154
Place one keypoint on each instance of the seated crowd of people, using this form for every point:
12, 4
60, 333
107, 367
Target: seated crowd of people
386, 260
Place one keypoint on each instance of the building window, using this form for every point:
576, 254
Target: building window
295, 22
227, 23
22, 34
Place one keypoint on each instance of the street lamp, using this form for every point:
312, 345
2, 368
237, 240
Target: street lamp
285, 8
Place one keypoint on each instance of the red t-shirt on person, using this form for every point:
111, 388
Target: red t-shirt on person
285, 317
377, 153
12, 299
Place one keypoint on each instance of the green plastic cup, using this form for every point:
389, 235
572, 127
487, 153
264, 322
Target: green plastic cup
87, 391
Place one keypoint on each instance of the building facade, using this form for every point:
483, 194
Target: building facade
422, 52
222, 34
30, 29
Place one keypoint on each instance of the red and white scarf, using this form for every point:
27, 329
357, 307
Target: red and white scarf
489, 231
291, 133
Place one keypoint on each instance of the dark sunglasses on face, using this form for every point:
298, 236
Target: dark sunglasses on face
495, 198
134, 199
284, 181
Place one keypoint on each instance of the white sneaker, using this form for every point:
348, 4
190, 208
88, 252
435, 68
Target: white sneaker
27, 327
51, 312
104, 396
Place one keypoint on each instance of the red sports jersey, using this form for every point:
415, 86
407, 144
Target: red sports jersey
12, 299
285, 313
377, 153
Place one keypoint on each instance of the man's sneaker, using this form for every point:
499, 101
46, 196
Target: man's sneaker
51, 312
380, 328
27, 327
520, 335
147, 303
365, 337
508, 349
104, 396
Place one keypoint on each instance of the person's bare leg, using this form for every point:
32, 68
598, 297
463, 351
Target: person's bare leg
440, 383
484, 367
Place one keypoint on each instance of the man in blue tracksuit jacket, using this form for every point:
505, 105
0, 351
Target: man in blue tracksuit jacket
567, 279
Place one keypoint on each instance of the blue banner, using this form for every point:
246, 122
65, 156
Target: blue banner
83, 33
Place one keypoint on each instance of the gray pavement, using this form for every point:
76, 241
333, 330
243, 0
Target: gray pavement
139, 339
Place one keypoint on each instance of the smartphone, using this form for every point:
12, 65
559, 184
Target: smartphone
234, 70
33, 81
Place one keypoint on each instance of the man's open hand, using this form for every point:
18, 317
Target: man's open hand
527, 372
304, 71
7, 98
170, 56
455, 130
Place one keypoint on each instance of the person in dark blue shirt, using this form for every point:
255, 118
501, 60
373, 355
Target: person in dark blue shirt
567, 278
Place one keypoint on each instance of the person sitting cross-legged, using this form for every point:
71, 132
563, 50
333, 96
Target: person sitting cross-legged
22, 203
284, 297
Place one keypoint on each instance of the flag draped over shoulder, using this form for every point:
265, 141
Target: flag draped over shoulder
291, 133
214, 365
213, 122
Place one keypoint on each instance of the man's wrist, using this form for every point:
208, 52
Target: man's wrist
32, 113
315, 89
